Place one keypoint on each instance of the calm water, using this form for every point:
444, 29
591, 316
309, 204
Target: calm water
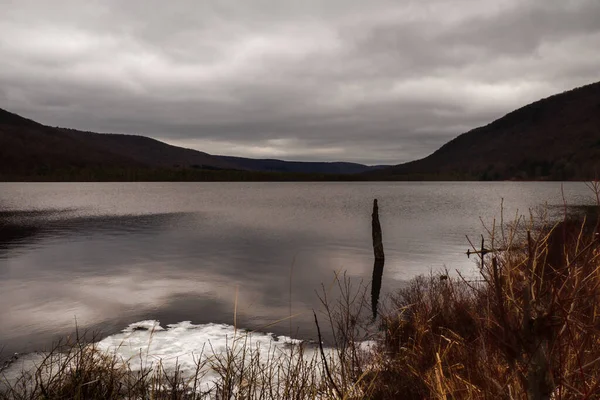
103, 255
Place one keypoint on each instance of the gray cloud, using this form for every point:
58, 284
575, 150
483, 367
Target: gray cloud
374, 82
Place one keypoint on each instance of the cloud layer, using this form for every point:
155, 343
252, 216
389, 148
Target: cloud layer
373, 82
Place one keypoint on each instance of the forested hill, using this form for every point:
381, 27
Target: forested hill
554, 138
273, 165
30, 150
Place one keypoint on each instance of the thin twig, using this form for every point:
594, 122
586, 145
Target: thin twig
337, 391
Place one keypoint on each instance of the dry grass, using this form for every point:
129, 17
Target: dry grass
527, 328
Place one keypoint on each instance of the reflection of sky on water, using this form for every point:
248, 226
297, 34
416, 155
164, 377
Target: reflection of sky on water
93, 269
112, 254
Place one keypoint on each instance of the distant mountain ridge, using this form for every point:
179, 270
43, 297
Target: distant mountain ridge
555, 138
274, 165
28, 148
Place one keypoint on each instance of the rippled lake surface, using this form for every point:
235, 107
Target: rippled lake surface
103, 255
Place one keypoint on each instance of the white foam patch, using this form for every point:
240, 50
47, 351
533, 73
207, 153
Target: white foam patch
184, 345
180, 346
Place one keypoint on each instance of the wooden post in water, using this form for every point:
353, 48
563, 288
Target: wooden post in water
376, 233
379, 258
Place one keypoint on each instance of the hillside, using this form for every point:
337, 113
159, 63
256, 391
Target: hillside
29, 149
273, 165
150, 152
554, 138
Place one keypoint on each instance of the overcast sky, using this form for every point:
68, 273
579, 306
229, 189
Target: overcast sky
367, 81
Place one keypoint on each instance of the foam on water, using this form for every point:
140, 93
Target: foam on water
188, 349
184, 344
182, 347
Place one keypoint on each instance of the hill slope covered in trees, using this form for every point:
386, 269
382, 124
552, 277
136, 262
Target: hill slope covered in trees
30, 150
555, 138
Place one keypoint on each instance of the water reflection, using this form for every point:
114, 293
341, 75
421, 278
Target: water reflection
376, 285
379, 258
11, 235
22, 228
114, 253
99, 270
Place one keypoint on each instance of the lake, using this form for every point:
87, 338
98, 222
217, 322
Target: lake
104, 255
